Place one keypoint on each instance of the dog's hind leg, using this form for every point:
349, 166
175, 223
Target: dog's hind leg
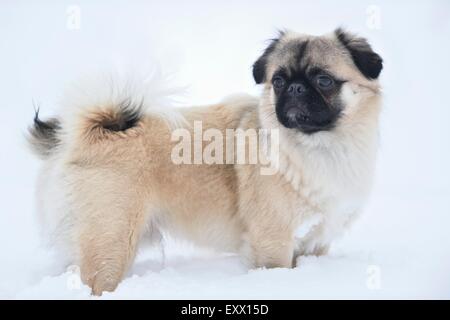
111, 217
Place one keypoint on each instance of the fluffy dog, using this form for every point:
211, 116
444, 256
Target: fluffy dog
109, 178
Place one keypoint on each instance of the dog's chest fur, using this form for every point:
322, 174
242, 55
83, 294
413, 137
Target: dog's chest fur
330, 186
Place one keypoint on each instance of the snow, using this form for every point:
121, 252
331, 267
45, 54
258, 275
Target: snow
400, 248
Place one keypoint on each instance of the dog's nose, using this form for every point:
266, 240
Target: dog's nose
296, 89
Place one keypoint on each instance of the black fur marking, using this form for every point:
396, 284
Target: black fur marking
300, 52
368, 62
127, 117
44, 135
47, 128
259, 67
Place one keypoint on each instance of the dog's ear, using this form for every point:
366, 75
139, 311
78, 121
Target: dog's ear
368, 62
259, 67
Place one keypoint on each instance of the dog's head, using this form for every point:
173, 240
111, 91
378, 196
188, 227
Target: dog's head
311, 82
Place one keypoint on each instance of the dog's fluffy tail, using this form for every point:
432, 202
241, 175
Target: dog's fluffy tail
43, 136
106, 108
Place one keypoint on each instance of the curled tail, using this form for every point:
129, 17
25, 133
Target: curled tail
91, 123
102, 108
98, 122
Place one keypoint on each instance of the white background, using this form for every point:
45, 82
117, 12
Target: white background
400, 248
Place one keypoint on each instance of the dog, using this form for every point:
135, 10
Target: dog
109, 178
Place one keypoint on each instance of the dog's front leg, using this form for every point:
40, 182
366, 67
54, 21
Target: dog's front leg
305, 248
269, 246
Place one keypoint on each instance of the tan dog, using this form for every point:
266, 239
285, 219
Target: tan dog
109, 176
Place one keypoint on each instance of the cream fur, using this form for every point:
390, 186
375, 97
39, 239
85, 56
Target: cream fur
100, 194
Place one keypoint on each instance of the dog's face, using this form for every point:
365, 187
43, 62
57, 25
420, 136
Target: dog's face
311, 82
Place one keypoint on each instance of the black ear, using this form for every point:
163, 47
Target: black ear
368, 62
259, 67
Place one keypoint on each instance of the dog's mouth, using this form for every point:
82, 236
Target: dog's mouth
297, 119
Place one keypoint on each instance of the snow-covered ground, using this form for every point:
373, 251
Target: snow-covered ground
400, 248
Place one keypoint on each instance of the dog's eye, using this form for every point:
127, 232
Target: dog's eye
278, 82
324, 82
